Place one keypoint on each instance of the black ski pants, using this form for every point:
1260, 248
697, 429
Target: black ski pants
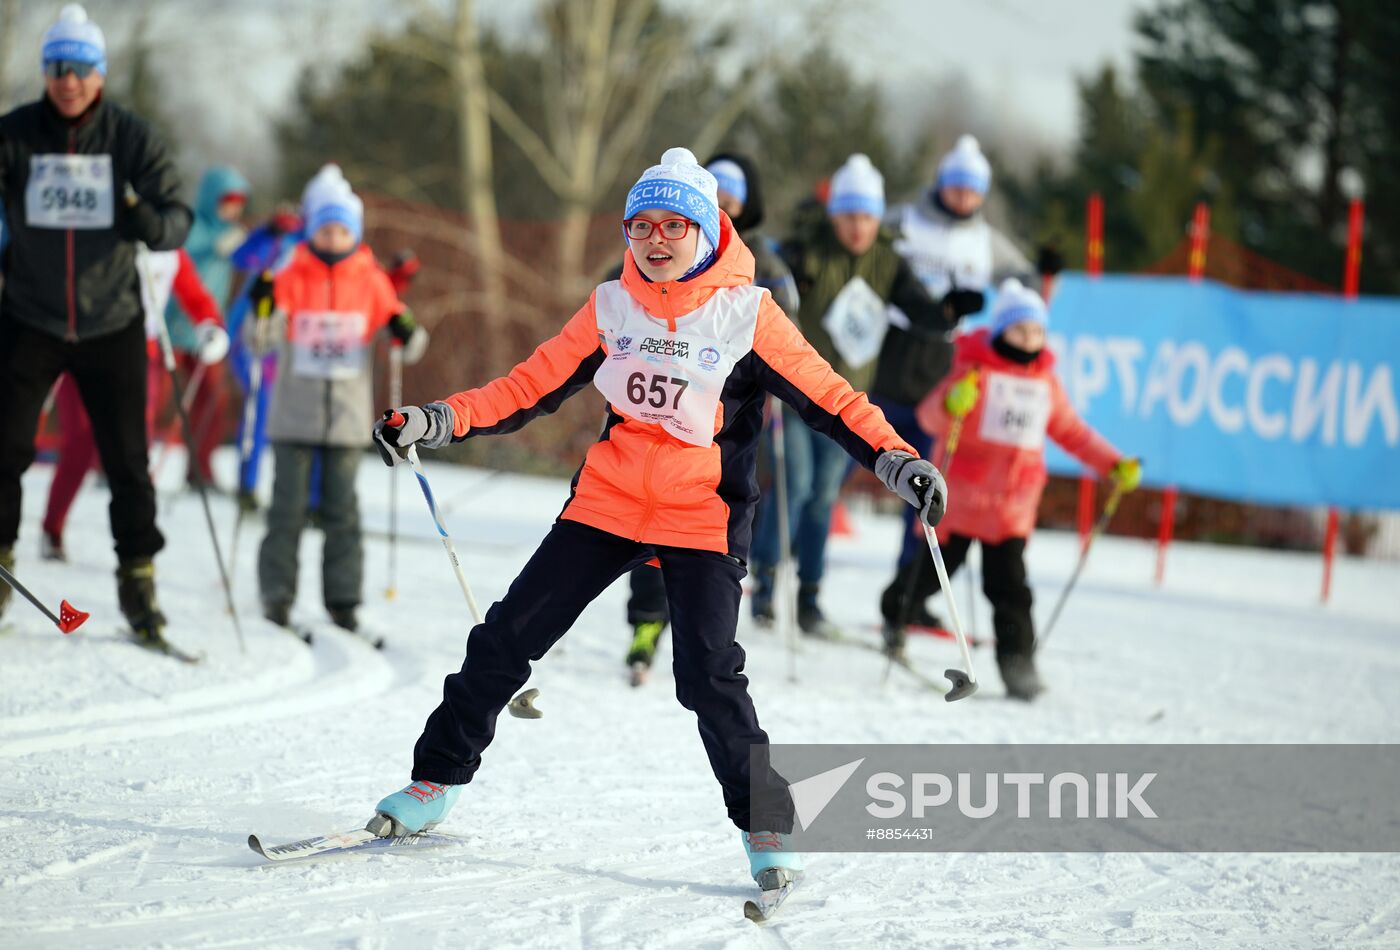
1003, 581
648, 600
573, 565
111, 375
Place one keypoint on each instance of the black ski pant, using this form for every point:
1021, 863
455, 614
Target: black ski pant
648, 601
1003, 581
573, 565
111, 375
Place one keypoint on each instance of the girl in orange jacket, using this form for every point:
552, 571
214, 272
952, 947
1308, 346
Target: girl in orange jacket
1004, 397
684, 348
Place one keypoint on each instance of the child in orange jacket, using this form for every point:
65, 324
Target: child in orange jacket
332, 300
1005, 398
684, 347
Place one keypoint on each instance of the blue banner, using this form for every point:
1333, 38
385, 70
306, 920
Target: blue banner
1265, 397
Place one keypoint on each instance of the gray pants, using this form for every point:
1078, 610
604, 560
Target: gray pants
342, 559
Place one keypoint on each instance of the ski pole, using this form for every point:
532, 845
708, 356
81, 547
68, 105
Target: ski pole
782, 596
1110, 506
69, 617
906, 600
196, 380
395, 399
168, 356
395, 420
964, 682
250, 409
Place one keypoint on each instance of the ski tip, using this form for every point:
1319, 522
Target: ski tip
753, 912
256, 845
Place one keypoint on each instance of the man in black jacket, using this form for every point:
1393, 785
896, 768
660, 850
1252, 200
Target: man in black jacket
82, 182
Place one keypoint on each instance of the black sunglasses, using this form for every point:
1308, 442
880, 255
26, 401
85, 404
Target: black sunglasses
58, 68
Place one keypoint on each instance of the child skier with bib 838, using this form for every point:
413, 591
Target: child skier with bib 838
331, 299
1004, 391
684, 348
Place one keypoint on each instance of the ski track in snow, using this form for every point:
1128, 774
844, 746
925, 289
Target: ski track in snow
130, 782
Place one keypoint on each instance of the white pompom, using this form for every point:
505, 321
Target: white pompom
678, 156
968, 143
73, 13
1011, 286
859, 160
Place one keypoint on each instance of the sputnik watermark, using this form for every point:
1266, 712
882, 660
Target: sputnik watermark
1119, 795
1089, 798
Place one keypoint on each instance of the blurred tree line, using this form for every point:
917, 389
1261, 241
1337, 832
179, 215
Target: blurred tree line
1266, 109
575, 111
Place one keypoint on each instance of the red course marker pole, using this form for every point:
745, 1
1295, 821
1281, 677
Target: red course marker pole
1351, 286
1093, 266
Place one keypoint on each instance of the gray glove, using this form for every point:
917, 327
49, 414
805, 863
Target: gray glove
916, 481
429, 426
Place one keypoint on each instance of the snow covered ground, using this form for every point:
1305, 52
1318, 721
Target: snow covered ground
129, 782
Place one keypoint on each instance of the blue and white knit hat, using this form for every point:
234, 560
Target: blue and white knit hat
1016, 302
76, 38
857, 187
681, 184
965, 167
332, 201
731, 178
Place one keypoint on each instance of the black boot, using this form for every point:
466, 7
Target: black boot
344, 618
278, 612
136, 593
1019, 675
761, 603
810, 618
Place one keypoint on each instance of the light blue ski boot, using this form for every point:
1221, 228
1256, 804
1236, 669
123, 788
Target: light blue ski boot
419, 806
771, 865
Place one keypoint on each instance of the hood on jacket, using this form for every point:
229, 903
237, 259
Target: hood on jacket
752, 215
218, 180
733, 267
977, 347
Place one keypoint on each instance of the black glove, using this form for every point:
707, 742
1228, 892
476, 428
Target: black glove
958, 303
260, 294
140, 221
1049, 261
915, 480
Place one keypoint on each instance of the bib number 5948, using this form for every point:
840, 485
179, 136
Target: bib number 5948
657, 392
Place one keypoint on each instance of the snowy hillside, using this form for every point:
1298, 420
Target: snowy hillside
130, 782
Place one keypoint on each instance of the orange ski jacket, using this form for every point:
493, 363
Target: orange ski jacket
665, 470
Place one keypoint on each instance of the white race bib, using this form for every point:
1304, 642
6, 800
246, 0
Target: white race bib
328, 344
69, 191
1015, 410
856, 322
673, 379
946, 254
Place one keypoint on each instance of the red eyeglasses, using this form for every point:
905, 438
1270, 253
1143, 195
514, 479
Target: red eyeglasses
672, 229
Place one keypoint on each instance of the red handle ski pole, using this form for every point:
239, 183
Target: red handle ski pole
69, 617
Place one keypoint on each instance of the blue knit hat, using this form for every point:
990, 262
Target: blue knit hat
857, 187
965, 167
335, 203
1016, 303
75, 38
682, 185
731, 178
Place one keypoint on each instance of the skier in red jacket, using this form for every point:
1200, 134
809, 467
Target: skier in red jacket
1004, 395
